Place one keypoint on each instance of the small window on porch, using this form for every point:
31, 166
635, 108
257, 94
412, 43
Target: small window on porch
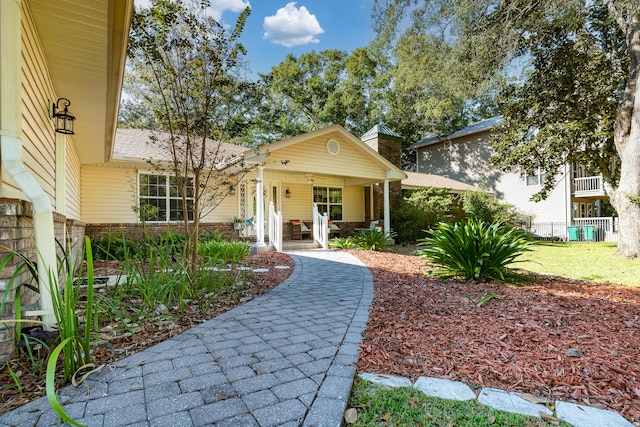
329, 199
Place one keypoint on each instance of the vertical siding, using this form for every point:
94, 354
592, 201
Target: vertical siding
108, 194
38, 136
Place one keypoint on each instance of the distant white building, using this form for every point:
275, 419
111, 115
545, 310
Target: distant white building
576, 199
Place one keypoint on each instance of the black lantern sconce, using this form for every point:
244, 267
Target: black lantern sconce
232, 190
64, 119
287, 193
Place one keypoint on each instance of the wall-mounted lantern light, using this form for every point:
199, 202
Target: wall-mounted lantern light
64, 119
287, 193
232, 190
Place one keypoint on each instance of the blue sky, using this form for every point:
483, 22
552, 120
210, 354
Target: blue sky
276, 28
279, 27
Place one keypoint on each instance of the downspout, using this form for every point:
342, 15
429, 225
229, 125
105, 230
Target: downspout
11, 149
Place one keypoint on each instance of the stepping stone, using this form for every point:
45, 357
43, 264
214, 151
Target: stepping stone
260, 270
444, 389
510, 402
386, 380
586, 416
282, 267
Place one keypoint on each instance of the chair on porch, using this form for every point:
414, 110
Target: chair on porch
299, 229
372, 226
334, 230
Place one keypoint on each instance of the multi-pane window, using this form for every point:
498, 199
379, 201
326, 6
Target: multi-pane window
329, 199
535, 178
161, 192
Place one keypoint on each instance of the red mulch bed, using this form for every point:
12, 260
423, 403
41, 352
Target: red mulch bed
419, 326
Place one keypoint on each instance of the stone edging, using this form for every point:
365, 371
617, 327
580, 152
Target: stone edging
572, 413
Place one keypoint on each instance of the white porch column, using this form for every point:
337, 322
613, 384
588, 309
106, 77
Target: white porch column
260, 207
387, 214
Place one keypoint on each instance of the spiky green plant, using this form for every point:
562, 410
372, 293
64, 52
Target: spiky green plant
373, 240
475, 250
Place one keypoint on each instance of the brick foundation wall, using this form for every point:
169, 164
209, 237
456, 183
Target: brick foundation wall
136, 231
17, 235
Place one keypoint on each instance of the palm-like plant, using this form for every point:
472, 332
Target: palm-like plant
475, 250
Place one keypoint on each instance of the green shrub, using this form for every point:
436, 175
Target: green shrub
485, 207
342, 243
372, 240
220, 252
114, 246
210, 235
422, 210
475, 250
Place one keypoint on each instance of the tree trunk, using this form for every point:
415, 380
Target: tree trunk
626, 198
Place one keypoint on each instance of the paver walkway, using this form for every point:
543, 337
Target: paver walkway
286, 358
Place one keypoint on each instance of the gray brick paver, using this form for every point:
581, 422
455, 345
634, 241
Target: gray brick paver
271, 362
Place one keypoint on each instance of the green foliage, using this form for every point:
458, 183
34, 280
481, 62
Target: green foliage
368, 240
372, 239
485, 207
114, 246
221, 252
408, 406
65, 307
474, 250
342, 243
421, 210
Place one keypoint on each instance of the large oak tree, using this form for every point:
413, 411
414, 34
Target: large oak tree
579, 99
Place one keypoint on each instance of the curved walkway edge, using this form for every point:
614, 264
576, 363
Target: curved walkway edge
286, 358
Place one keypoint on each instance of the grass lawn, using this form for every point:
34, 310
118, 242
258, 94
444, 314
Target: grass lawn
406, 406
582, 260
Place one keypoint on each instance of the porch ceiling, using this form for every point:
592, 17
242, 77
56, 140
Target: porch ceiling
85, 45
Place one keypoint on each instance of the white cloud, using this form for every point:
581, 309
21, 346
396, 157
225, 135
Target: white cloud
215, 10
219, 6
291, 26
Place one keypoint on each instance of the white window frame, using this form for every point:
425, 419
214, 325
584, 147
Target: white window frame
328, 203
539, 176
167, 198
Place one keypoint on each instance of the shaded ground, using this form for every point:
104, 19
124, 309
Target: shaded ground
567, 339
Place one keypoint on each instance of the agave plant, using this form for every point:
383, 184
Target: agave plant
475, 250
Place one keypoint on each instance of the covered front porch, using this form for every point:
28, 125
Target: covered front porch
328, 180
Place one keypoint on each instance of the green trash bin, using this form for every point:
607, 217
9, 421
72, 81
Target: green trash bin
589, 233
574, 233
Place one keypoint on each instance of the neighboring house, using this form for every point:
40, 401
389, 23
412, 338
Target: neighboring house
419, 181
329, 168
52, 50
576, 198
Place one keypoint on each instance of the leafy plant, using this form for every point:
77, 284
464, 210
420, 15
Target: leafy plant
220, 252
65, 305
483, 299
372, 240
342, 243
15, 376
475, 250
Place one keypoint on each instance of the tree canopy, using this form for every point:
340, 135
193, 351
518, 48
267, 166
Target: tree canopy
579, 98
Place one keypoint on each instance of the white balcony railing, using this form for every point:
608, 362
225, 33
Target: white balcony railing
589, 185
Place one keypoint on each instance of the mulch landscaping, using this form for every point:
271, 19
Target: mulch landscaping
558, 338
